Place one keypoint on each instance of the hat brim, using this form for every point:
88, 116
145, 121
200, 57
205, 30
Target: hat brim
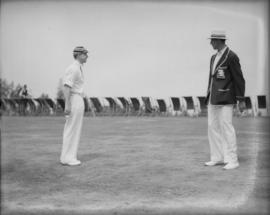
218, 38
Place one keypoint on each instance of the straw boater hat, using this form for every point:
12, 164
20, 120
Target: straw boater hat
220, 34
80, 49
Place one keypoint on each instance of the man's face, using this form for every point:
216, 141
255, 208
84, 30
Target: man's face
214, 43
82, 58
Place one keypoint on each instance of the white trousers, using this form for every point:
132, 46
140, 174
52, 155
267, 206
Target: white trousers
221, 134
72, 130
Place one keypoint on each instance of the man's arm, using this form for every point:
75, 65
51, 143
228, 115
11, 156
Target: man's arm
239, 82
66, 92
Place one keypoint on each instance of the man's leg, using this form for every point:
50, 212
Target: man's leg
78, 121
229, 136
214, 134
67, 138
72, 130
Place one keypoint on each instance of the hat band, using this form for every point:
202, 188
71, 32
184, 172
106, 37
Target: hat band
80, 49
218, 36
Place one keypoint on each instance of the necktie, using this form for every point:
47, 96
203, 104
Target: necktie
81, 71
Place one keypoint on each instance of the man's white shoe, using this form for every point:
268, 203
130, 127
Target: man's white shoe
213, 163
231, 166
72, 163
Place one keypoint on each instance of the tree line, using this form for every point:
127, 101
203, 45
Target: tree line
12, 90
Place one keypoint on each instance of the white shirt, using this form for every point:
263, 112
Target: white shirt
74, 77
217, 58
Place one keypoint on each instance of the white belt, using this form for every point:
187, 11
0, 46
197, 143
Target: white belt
76, 93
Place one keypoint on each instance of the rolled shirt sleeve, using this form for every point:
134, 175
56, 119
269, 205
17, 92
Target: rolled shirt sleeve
73, 78
69, 78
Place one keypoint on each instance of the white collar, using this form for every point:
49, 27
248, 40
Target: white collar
221, 51
77, 63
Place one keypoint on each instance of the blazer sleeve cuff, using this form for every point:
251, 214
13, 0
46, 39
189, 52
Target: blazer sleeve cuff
240, 98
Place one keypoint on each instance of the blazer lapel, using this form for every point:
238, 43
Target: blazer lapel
222, 59
212, 62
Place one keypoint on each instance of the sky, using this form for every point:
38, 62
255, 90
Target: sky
136, 48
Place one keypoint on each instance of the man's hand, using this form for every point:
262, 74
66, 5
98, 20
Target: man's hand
241, 106
67, 111
67, 108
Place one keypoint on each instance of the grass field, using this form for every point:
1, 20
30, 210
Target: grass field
131, 165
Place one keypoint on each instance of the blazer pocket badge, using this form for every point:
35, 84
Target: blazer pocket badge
220, 74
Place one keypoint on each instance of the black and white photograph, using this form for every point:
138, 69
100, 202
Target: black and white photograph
135, 107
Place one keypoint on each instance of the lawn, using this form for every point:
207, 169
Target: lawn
130, 165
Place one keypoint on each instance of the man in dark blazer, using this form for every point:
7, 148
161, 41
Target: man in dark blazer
226, 88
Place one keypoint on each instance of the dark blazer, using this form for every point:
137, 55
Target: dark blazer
227, 84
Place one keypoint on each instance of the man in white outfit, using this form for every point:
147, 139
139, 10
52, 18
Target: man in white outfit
226, 88
74, 107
